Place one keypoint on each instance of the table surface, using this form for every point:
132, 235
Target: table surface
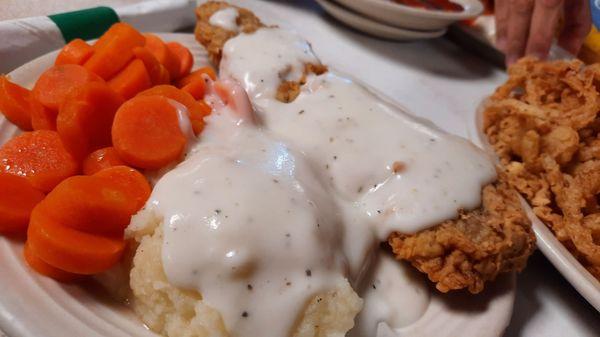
413, 74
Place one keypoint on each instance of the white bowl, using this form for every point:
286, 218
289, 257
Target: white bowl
375, 28
391, 13
584, 282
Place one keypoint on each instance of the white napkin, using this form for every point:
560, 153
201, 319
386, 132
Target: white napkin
22, 40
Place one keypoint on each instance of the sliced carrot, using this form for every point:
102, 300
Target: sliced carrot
163, 76
53, 86
15, 103
156, 70
163, 54
101, 159
45, 269
186, 60
75, 52
42, 118
197, 119
197, 111
131, 181
39, 156
197, 75
146, 132
84, 122
131, 80
69, 249
196, 88
91, 204
114, 50
17, 199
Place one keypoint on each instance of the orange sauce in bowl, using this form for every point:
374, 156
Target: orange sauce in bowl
440, 5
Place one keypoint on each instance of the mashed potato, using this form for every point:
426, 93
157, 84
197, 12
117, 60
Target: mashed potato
176, 312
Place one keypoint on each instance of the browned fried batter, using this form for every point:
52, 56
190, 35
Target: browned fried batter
544, 125
457, 254
213, 39
476, 247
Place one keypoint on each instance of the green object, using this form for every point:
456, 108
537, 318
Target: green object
85, 24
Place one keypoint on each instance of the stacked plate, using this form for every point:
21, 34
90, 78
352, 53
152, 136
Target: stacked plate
392, 19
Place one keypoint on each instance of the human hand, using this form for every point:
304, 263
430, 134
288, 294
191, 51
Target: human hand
527, 27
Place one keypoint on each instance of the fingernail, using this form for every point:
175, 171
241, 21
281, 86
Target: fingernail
538, 55
501, 44
510, 59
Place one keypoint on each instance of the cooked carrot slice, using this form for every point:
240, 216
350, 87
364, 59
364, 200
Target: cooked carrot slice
45, 269
163, 76
114, 50
186, 60
39, 156
131, 80
197, 111
17, 199
163, 54
85, 119
69, 249
75, 52
158, 73
101, 159
53, 86
15, 103
196, 88
197, 75
197, 120
91, 204
42, 118
131, 181
146, 132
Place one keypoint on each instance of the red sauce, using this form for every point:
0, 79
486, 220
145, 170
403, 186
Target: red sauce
440, 5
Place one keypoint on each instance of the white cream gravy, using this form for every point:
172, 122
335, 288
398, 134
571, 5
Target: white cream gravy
247, 224
405, 174
226, 19
393, 293
337, 169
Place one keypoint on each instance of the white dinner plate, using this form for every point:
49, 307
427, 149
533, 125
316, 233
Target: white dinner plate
585, 283
32, 305
375, 28
388, 12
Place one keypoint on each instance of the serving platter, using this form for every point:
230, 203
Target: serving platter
32, 305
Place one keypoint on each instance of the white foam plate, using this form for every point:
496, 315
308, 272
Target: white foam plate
388, 12
375, 28
585, 283
32, 305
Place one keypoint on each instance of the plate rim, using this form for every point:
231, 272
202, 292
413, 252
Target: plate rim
473, 8
372, 27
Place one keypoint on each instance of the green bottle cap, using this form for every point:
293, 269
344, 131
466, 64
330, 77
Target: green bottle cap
85, 24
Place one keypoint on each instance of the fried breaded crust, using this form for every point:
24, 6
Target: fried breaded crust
457, 254
213, 38
476, 247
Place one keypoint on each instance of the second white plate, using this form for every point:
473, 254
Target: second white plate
375, 28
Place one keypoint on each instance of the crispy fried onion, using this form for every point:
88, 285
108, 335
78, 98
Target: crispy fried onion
544, 125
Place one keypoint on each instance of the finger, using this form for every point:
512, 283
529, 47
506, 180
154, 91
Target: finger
543, 25
501, 14
578, 22
518, 29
